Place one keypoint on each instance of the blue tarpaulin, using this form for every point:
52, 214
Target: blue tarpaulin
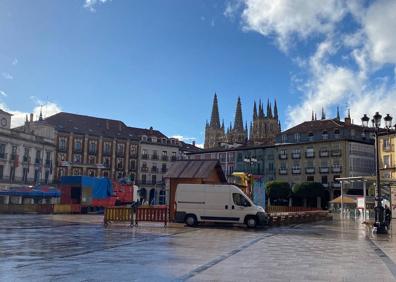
26, 191
101, 187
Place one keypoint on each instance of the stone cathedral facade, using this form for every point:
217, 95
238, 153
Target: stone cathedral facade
262, 131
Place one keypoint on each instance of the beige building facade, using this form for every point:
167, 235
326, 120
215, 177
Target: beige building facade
387, 155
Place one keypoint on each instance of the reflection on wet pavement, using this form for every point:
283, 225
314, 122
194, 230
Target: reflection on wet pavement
44, 248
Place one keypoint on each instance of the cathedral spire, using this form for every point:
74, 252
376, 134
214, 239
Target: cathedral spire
275, 111
238, 123
41, 113
261, 110
313, 117
215, 118
338, 113
269, 110
323, 114
254, 111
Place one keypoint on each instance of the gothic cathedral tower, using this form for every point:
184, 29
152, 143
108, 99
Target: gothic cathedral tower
214, 132
265, 127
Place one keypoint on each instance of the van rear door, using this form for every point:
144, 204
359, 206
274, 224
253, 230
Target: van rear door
217, 205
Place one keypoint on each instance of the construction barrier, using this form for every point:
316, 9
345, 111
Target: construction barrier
142, 214
62, 208
153, 214
31, 208
274, 209
299, 217
118, 214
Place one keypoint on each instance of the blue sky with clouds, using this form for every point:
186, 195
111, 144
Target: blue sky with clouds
158, 63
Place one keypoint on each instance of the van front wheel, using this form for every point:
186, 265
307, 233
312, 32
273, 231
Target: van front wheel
251, 222
191, 220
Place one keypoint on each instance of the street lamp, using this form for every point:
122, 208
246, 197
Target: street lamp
379, 209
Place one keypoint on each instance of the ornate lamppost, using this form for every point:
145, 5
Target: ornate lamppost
379, 209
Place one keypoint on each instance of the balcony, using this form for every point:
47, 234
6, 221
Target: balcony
77, 150
296, 155
324, 169
144, 169
323, 154
154, 169
3, 156
92, 152
173, 158
47, 163
25, 159
388, 148
336, 185
154, 157
120, 154
296, 171
14, 157
62, 149
283, 156
145, 156
165, 158
107, 153
164, 170
37, 161
133, 156
336, 169
336, 153
325, 185
309, 154
310, 170
283, 171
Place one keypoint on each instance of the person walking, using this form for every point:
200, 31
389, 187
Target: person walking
388, 216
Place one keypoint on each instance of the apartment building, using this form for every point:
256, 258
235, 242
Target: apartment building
323, 150
387, 155
27, 153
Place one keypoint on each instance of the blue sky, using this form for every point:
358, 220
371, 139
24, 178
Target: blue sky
158, 63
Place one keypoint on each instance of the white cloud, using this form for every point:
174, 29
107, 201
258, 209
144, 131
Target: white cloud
285, 19
379, 25
343, 69
19, 117
7, 76
2, 93
90, 4
15, 62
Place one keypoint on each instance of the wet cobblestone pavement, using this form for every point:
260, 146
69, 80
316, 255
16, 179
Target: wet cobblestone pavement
79, 248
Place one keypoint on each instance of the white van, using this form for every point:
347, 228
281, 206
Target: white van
216, 203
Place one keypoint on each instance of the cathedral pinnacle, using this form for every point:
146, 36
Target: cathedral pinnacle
238, 123
215, 118
275, 111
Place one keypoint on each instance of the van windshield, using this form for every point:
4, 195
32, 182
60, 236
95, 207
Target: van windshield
240, 200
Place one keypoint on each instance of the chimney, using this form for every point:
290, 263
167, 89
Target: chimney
31, 117
193, 143
107, 125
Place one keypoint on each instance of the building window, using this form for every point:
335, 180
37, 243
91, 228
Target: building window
120, 149
106, 162
154, 179
133, 151
132, 164
92, 147
143, 179
310, 136
120, 163
222, 157
325, 135
387, 161
107, 148
297, 137
164, 168
77, 158
337, 133
91, 160
174, 157
78, 145
144, 154
2, 151
62, 143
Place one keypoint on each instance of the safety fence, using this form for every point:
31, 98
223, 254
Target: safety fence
136, 215
299, 217
274, 209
